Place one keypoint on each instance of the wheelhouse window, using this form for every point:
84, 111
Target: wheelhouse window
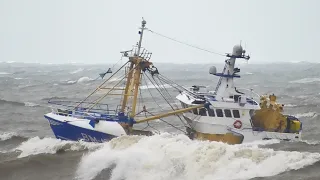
227, 113
236, 113
195, 111
211, 112
184, 105
202, 112
219, 112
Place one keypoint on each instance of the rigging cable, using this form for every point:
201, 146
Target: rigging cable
172, 98
168, 81
110, 68
159, 91
166, 100
152, 95
196, 47
102, 84
160, 108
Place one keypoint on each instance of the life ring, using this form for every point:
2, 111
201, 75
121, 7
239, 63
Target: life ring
237, 124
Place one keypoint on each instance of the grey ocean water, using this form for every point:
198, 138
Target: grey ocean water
28, 149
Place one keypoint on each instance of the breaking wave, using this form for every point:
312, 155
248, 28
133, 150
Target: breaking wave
84, 79
7, 135
308, 114
17, 78
305, 80
77, 71
4, 73
177, 157
311, 142
151, 86
16, 103
36, 145
114, 79
31, 104
290, 105
80, 80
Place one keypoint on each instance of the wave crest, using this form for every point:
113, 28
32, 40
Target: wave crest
7, 135
77, 71
307, 114
37, 145
305, 80
177, 157
16, 103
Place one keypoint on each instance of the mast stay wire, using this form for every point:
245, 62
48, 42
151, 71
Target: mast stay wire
163, 96
102, 84
166, 91
170, 97
151, 94
163, 87
171, 83
179, 116
112, 66
161, 81
158, 106
190, 45
160, 92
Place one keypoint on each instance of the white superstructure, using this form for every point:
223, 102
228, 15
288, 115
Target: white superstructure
229, 118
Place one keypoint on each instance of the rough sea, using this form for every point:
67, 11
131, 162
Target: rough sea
29, 150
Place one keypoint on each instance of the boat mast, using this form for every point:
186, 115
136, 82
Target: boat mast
225, 87
143, 25
134, 76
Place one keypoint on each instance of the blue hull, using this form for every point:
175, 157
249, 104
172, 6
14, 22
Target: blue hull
66, 131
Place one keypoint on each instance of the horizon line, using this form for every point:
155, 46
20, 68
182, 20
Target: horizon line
200, 63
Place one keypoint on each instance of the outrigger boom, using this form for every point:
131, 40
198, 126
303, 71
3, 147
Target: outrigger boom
170, 113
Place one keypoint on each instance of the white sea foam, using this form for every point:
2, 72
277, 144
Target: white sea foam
307, 114
306, 80
114, 79
31, 104
37, 145
311, 142
7, 135
17, 78
152, 86
177, 157
290, 105
4, 73
71, 82
10, 62
80, 80
77, 71
84, 79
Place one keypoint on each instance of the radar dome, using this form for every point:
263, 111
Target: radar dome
237, 50
213, 70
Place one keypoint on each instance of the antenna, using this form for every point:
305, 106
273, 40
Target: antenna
143, 27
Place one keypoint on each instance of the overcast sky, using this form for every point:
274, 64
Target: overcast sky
64, 31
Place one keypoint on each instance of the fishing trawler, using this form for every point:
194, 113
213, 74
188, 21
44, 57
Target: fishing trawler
93, 120
233, 116
117, 108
